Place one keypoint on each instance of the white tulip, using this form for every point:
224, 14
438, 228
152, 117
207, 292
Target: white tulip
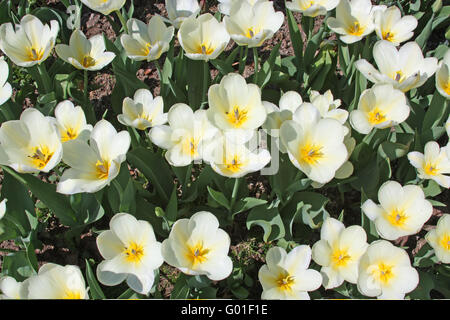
197, 246
312, 8
443, 76
328, 106
391, 26
225, 5
94, 165
286, 275
12, 289
70, 122
3, 208
402, 210
186, 135
85, 54
433, 164
203, 38
439, 239
405, 68
5, 87
385, 272
57, 282
30, 43
147, 41
252, 25
30, 144
143, 111
315, 145
180, 10
381, 106
131, 253
104, 6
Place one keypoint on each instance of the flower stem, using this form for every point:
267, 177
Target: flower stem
87, 108
255, 58
242, 58
122, 21
46, 81
237, 183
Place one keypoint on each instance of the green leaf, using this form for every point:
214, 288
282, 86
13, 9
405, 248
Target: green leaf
219, 197
16, 265
247, 204
127, 198
268, 219
422, 38
94, 288
172, 206
296, 39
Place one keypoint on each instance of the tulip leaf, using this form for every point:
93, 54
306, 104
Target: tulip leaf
269, 220
172, 206
422, 38
128, 199
434, 115
219, 197
247, 204
296, 39
94, 288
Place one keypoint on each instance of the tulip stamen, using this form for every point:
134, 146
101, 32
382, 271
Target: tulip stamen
190, 147
389, 36
399, 76
431, 169
41, 156
34, 54
397, 217
88, 61
340, 258
376, 116
197, 254
102, 169
205, 49
356, 29
234, 165
251, 33
310, 154
134, 252
445, 241
285, 282
237, 117
383, 272
69, 134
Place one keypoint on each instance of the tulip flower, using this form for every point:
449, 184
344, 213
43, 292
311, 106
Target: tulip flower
57, 282
391, 26
93, 165
5, 87
3, 208
146, 41
197, 246
338, 252
381, 106
104, 6
30, 144
186, 135
443, 76
225, 5
143, 111
286, 275
252, 25
71, 122
85, 54
433, 164
327, 106
439, 239
312, 8
12, 289
402, 210
354, 20
203, 38
385, 272
130, 251
405, 68
180, 10
30, 43
315, 145
235, 106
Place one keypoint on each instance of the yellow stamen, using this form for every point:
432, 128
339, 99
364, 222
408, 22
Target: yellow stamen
41, 156
197, 254
383, 272
340, 258
237, 117
251, 32
102, 169
446, 87
69, 294
285, 281
431, 169
205, 49
306, 5
310, 153
355, 29
445, 241
147, 48
399, 76
235, 164
35, 54
134, 252
397, 217
190, 147
88, 61
69, 134
389, 36
376, 116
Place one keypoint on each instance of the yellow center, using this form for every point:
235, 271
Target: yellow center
69, 294
446, 87
445, 241
197, 254
88, 61
431, 169
387, 35
397, 217
251, 32
134, 252
69, 134
310, 153
355, 29
147, 48
35, 54
237, 117
285, 281
41, 156
235, 164
190, 147
376, 116
204, 49
383, 272
102, 169
340, 258
399, 76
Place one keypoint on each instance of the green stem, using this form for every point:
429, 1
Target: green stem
237, 183
255, 58
122, 21
46, 81
205, 83
87, 107
160, 75
242, 58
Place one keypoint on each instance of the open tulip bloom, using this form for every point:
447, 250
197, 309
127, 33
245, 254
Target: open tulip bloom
439, 239
131, 253
104, 6
70, 122
405, 68
186, 135
354, 20
5, 87
286, 275
143, 111
93, 165
433, 164
402, 210
338, 252
85, 54
197, 246
380, 107
385, 272
30, 43
391, 26
203, 38
30, 144
312, 8
443, 76
251, 25
180, 10
12, 289
146, 41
